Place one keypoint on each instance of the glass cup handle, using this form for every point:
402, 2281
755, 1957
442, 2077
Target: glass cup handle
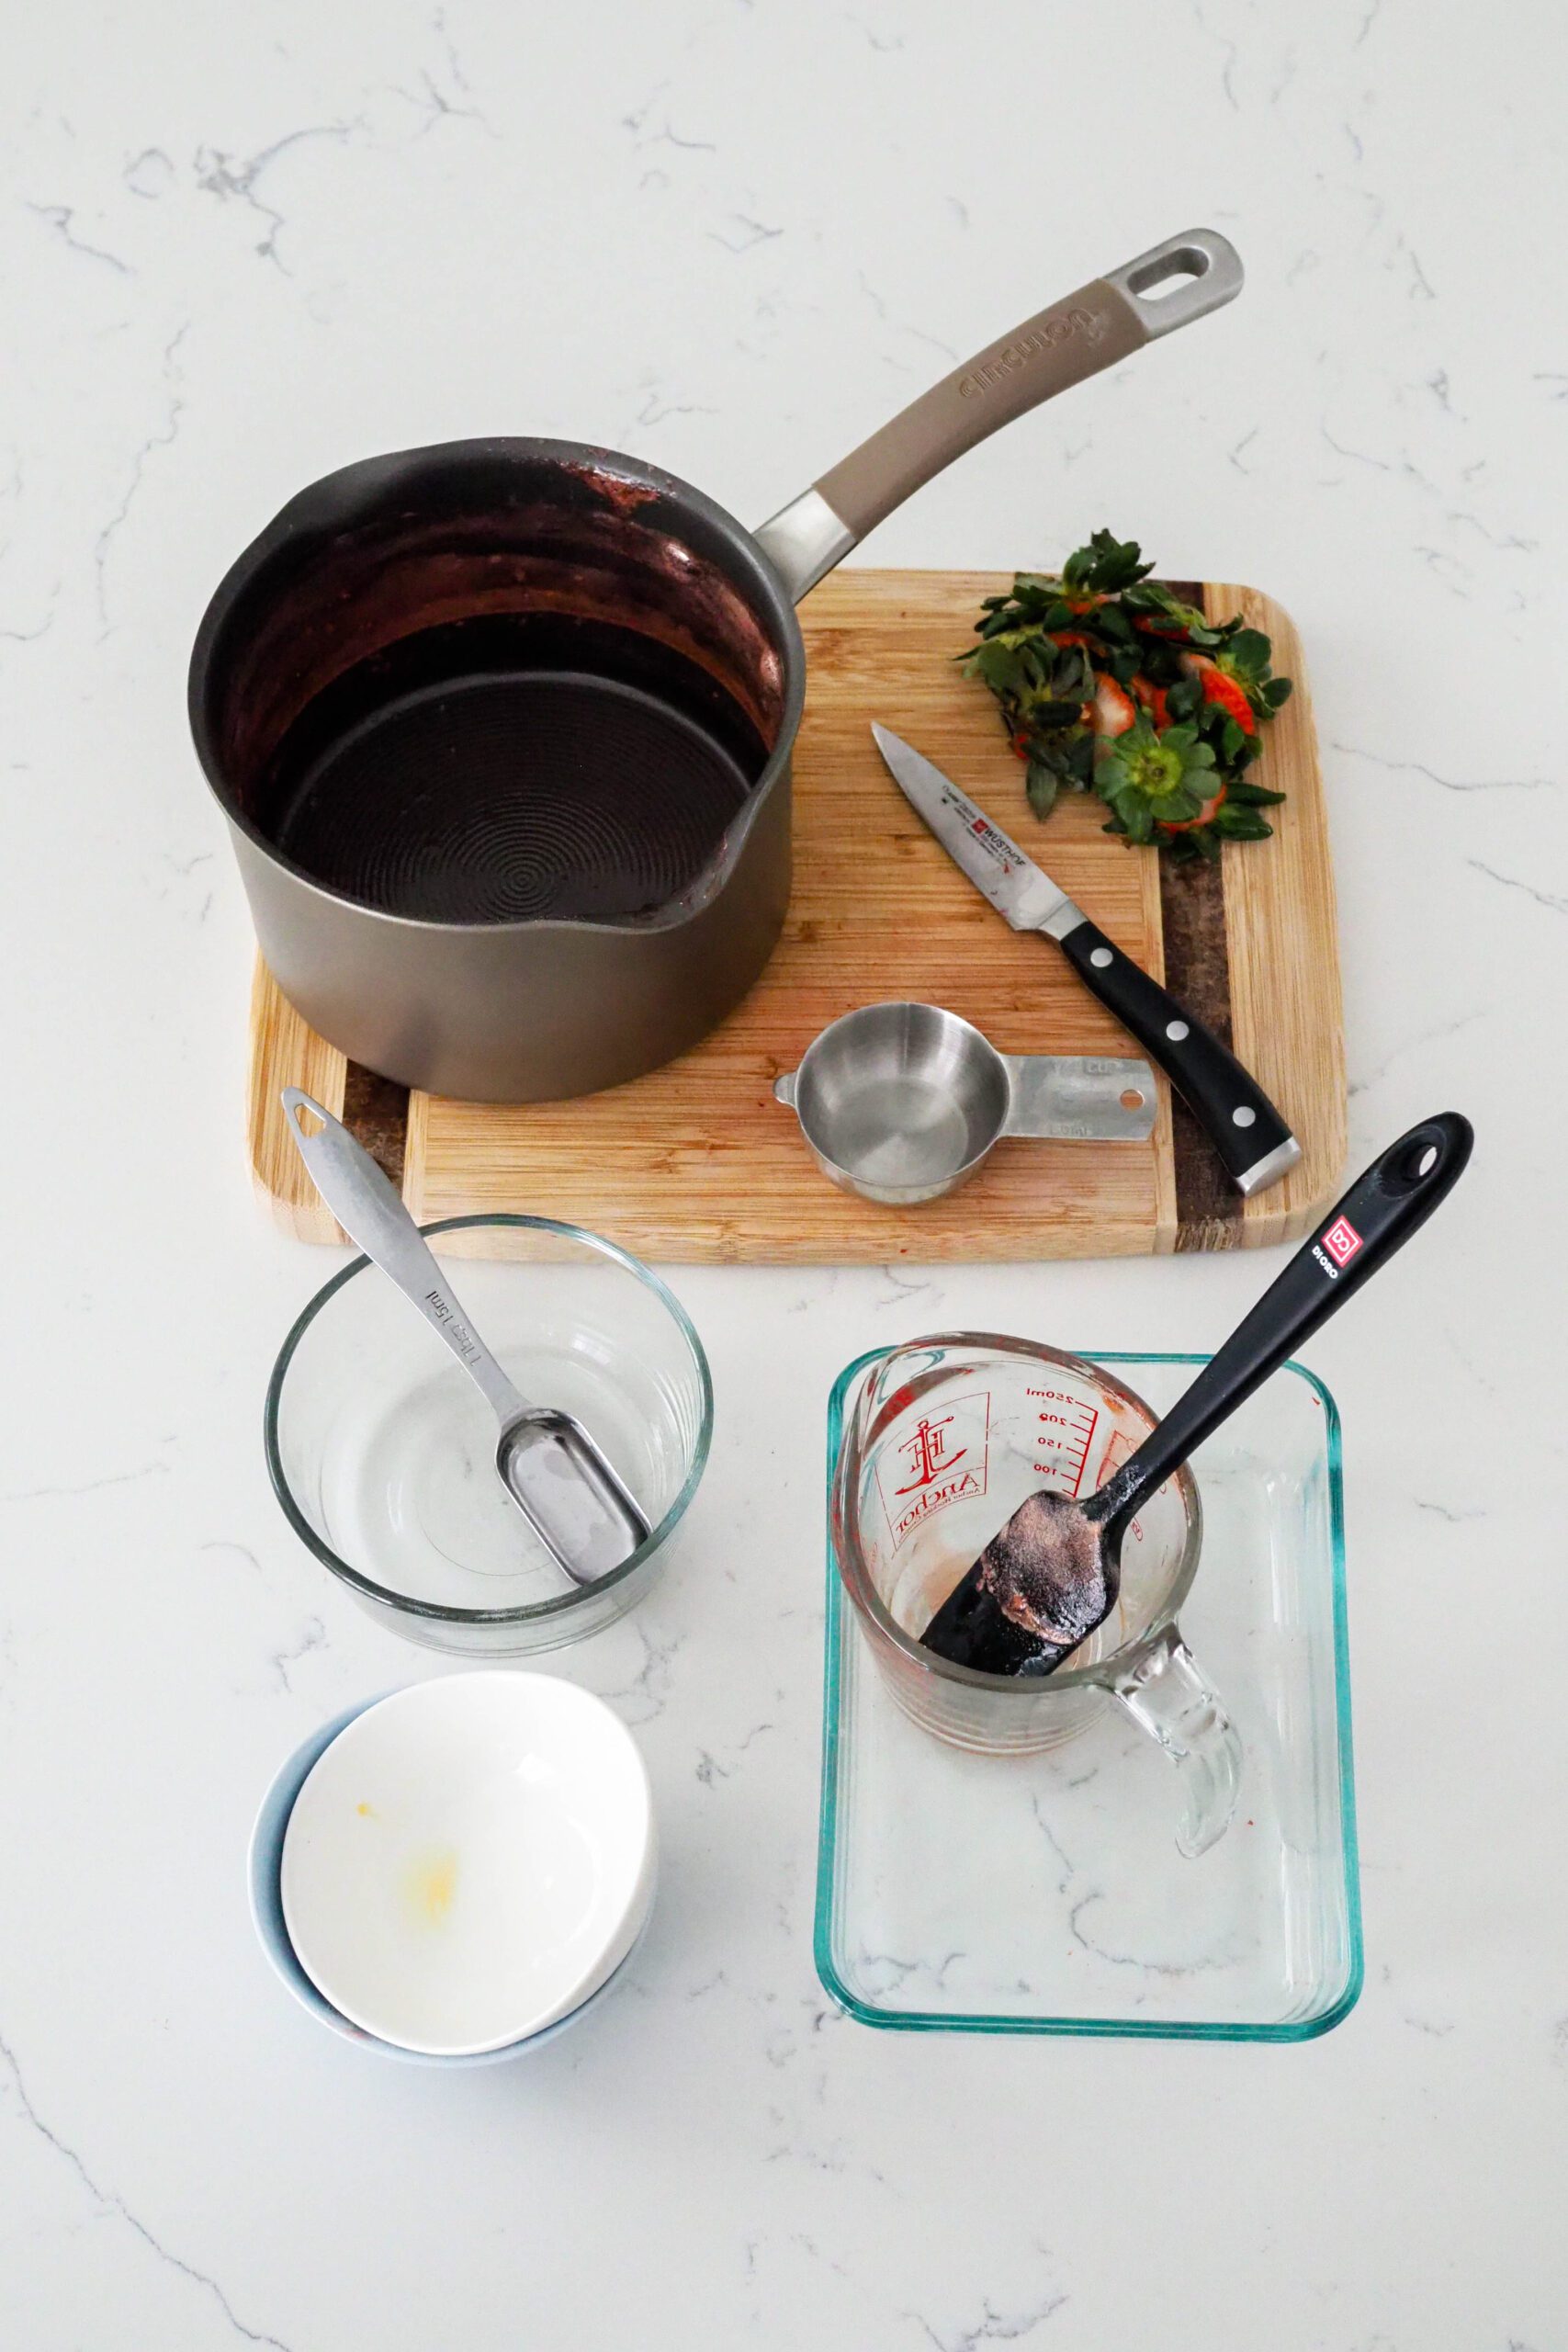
1167, 1695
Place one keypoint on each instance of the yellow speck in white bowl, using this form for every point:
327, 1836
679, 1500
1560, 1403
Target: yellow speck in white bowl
430, 1885
470, 1860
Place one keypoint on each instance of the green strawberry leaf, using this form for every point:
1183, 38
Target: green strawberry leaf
1251, 795
1249, 652
1174, 808
1152, 778
1041, 782
999, 667
1239, 824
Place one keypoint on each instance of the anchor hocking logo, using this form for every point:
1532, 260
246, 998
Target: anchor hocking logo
942, 1460
929, 1453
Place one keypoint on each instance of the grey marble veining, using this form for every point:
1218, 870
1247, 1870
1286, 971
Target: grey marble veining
239, 247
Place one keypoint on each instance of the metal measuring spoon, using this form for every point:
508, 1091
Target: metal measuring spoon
549, 1466
1051, 1575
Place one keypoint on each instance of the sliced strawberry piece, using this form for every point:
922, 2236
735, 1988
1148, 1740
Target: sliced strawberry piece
1113, 710
1070, 637
1219, 686
1020, 743
1189, 824
1153, 699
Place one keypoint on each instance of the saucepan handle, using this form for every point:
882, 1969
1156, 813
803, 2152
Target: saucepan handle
1076, 337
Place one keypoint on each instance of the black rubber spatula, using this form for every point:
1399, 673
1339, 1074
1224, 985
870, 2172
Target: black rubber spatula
1051, 1575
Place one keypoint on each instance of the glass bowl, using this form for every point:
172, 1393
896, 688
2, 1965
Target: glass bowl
382, 1451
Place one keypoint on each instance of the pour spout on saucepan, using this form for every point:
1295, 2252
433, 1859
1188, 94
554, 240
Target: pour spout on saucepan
1054, 1572
1075, 338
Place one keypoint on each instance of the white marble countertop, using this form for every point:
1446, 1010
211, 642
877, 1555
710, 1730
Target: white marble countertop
243, 247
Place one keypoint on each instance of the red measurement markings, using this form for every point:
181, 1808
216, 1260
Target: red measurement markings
1067, 1424
1119, 1446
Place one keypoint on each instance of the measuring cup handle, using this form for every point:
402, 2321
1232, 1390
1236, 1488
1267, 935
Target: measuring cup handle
1074, 1096
1166, 1693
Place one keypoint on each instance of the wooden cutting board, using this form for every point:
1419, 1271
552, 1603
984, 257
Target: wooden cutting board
697, 1161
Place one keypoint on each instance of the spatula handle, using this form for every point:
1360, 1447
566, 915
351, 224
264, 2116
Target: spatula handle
1383, 1208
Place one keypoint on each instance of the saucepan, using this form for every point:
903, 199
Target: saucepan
502, 728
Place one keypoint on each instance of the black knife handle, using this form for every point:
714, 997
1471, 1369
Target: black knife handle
1231, 1107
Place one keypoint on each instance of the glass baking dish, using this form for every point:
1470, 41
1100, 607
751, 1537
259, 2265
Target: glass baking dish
1046, 1893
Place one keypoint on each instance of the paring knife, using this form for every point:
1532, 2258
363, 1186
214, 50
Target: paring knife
1247, 1132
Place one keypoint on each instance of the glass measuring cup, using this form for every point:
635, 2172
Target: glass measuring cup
942, 1439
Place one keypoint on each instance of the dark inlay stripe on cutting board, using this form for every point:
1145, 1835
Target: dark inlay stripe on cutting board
1197, 969
376, 1113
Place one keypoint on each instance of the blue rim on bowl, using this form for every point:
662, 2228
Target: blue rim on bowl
532, 1614
263, 1861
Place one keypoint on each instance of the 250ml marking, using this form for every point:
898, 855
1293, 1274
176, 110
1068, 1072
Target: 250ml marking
1068, 1424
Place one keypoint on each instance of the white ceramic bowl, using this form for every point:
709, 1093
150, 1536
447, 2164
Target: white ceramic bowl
264, 1866
470, 1860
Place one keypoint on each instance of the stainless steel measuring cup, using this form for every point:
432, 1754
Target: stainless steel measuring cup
900, 1102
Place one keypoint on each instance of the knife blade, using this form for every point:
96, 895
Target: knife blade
1243, 1125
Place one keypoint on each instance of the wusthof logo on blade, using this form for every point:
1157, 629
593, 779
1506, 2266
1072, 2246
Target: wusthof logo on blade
995, 845
1341, 1241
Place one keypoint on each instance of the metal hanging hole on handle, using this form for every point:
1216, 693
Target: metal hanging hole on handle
1415, 1158
295, 1101
1182, 279
1417, 1162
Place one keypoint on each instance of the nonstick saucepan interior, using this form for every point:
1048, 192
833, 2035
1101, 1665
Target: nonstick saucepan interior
502, 728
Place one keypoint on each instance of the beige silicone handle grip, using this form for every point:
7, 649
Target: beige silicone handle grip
1089, 331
